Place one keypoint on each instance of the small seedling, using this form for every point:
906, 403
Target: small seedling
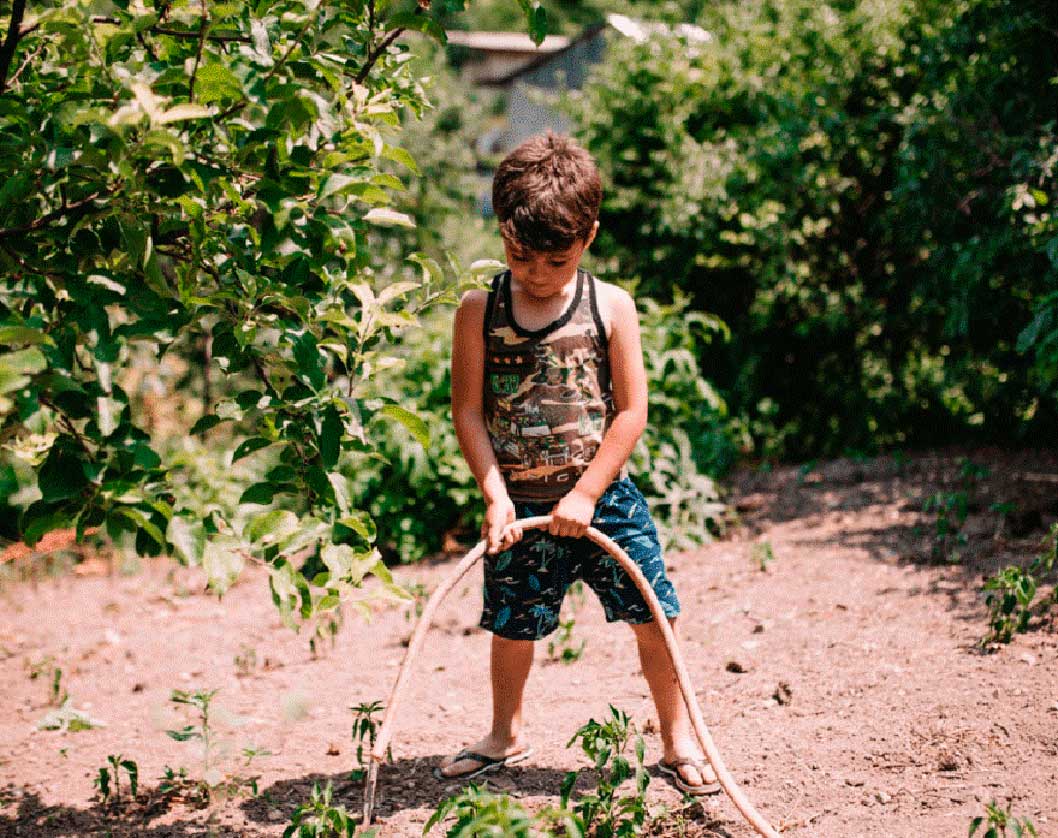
215, 780
805, 470
763, 555
319, 819
1004, 510
420, 594
477, 812
103, 780
562, 646
1012, 593
365, 731
950, 510
997, 820
46, 668
602, 810
245, 661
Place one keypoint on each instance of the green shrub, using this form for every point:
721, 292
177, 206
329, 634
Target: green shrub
865, 193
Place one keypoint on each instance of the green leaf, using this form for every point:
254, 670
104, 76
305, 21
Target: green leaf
361, 523
389, 218
330, 436
402, 156
62, 474
248, 446
271, 527
187, 539
415, 425
309, 361
215, 82
205, 423
222, 563
261, 493
23, 336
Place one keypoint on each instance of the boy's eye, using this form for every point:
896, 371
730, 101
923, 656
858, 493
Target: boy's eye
559, 264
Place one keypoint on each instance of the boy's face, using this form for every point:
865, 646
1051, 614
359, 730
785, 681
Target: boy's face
545, 274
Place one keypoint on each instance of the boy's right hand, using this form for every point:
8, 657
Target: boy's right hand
498, 515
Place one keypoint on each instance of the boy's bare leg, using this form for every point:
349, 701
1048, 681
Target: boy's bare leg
511, 662
677, 735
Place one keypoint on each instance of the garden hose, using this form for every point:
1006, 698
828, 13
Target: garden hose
727, 782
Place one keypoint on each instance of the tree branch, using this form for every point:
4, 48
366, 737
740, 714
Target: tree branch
74, 210
187, 34
203, 28
14, 32
28, 60
376, 53
295, 41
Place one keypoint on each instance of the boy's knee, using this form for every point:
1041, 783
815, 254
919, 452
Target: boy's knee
650, 634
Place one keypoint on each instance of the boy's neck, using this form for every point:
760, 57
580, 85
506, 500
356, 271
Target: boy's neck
554, 293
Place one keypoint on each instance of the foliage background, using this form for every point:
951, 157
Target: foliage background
838, 220
864, 192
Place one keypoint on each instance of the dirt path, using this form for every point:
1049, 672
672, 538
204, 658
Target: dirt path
863, 706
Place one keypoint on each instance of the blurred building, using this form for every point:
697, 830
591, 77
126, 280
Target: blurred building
531, 76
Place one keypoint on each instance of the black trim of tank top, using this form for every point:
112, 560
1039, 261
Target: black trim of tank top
554, 324
490, 306
595, 314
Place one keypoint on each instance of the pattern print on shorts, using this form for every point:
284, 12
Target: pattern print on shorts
524, 586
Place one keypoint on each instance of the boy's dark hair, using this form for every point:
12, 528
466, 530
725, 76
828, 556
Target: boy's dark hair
546, 193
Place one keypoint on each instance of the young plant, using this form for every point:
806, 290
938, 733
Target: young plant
46, 668
319, 819
245, 661
763, 555
477, 812
365, 728
420, 593
602, 812
1012, 593
102, 781
215, 781
950, 510
997, 820
562, 646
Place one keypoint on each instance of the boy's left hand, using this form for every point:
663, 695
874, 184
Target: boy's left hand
572, 515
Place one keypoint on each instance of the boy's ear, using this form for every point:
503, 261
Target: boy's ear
591, 235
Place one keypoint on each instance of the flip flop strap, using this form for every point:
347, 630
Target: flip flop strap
482, 758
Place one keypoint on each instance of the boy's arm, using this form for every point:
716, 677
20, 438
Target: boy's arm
468, 375
574, 512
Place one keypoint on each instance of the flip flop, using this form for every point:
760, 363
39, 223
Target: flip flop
672, 770
487, 763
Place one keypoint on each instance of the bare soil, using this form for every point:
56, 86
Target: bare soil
844, 683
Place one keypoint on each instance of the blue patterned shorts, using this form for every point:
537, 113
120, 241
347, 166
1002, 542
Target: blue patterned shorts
524, 586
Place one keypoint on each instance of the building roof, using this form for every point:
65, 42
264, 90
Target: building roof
506, 42
637, 30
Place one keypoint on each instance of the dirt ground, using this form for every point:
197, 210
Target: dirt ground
843, 684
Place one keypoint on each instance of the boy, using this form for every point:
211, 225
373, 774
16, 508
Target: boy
548, 398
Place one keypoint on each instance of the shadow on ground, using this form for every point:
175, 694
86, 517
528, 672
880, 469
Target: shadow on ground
877, 506
32, 818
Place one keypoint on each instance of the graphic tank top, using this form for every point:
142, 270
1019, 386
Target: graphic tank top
548, 397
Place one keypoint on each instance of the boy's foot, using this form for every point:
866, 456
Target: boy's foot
481, 757
691, 775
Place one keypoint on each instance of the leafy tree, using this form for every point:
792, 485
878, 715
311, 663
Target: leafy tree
182, 171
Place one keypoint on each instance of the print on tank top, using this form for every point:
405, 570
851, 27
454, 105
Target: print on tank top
548, 397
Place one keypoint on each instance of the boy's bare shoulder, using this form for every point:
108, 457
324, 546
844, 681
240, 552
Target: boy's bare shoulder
613, 302
475, 298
